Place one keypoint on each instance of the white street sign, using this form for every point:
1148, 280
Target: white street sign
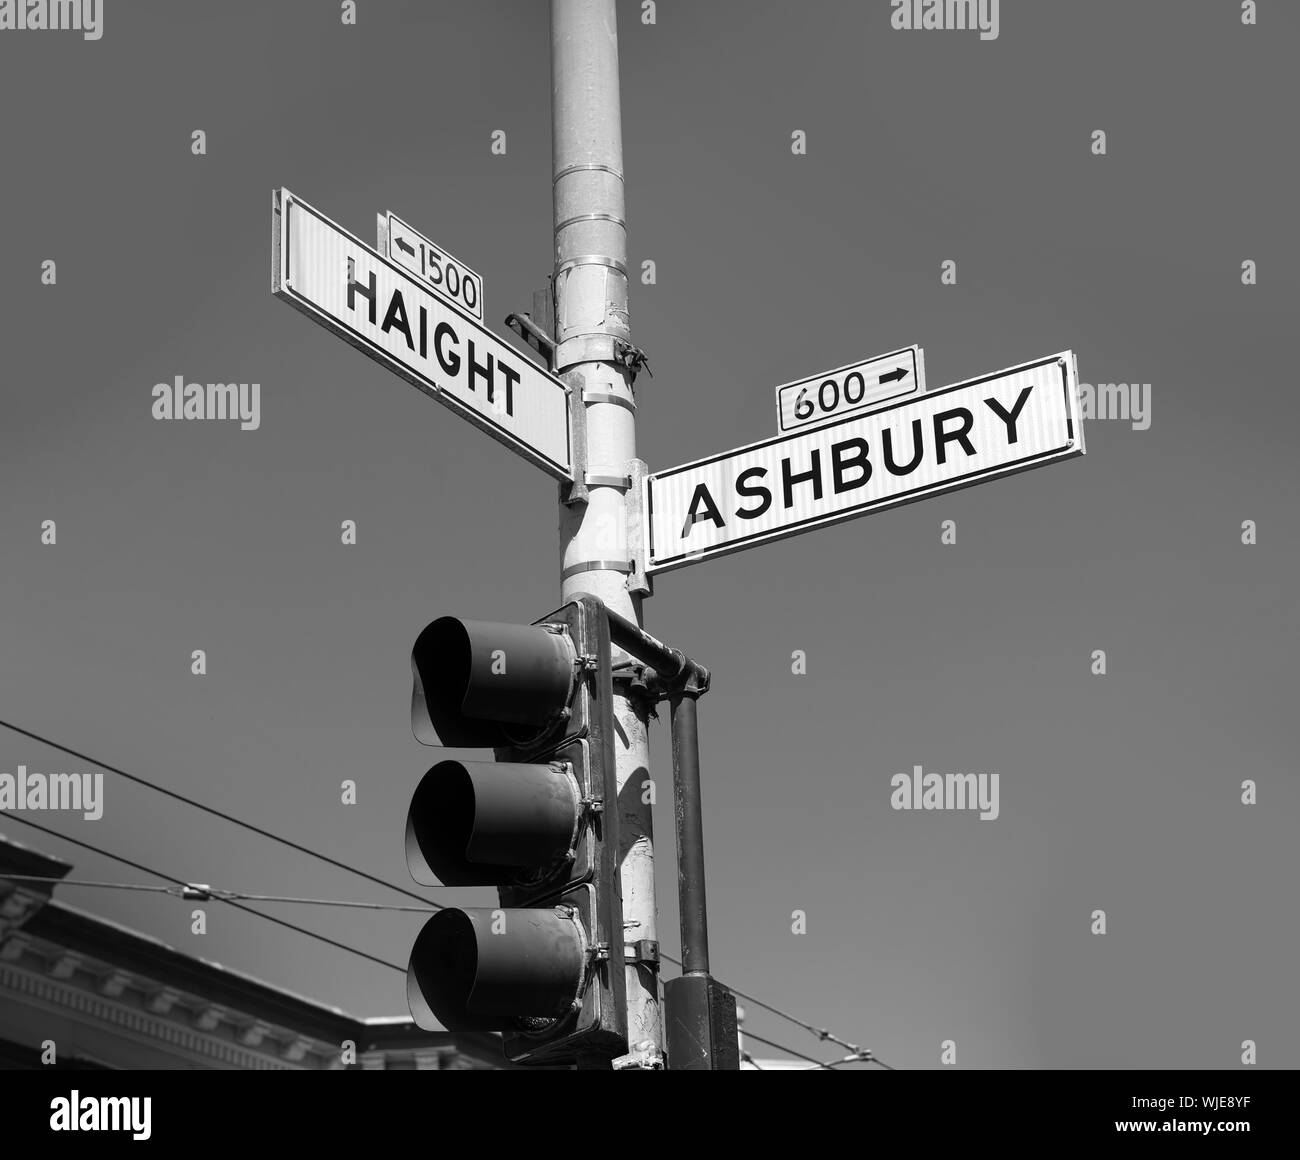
940, 441
395, 318
863, 386
449, 277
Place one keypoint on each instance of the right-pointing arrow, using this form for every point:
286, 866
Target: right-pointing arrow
894, 376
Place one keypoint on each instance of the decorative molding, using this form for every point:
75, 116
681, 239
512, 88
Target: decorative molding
253, 1034
141, 1026
162, 1001
17, 906
149, 1014
428, 1060
208, 1018
114, 983
65, 966
295, 1049
11, 950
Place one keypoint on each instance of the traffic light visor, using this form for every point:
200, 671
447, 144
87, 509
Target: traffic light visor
480, 684
495, 970
484, 823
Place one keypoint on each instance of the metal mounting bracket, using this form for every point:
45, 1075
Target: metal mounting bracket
523, 325
644, 1056
645, 950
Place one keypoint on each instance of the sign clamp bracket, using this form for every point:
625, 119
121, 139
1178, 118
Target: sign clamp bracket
523, 325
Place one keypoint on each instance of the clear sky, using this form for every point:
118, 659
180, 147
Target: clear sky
1118, 792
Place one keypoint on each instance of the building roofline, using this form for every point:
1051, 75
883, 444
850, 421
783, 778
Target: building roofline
18, 858
151, 958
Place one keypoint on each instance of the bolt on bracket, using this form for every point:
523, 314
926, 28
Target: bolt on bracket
644, 950
644, 1056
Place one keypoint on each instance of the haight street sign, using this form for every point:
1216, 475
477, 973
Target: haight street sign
392, 316
940, 441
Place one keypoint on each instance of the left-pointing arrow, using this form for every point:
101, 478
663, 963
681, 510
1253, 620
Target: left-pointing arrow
402, 244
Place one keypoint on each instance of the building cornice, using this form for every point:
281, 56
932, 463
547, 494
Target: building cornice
67, 999
82, 967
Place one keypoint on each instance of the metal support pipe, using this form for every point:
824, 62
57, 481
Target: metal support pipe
700, 1013
672, 669
591, 330
634, 640
690, 835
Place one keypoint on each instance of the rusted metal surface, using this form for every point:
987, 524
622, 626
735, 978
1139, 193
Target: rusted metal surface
690, 835
700, 1025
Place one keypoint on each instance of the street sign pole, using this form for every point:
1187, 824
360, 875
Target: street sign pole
592, 337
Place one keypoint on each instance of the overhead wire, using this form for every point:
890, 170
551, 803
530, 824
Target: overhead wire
820, 1032
201, 892
864, 1057
204, 892
216, 813
238, 906
788, 1050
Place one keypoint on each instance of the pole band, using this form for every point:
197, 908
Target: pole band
590, 217
606, 397
623, 566
586, 167
591, 260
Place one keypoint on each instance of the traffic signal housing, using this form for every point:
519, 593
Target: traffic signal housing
539, 822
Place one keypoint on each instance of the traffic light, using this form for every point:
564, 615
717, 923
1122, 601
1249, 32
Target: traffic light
539, 822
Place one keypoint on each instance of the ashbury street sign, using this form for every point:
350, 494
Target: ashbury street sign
395, 317
931, 443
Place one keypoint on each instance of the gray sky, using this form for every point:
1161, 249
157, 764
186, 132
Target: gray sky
1118, 792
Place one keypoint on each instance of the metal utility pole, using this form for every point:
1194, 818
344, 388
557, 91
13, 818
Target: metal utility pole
594, 356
